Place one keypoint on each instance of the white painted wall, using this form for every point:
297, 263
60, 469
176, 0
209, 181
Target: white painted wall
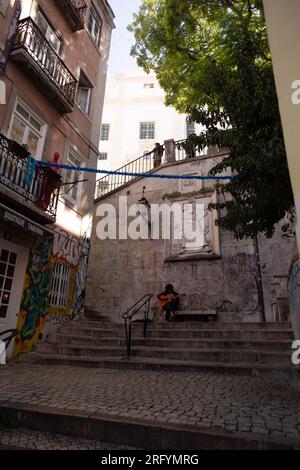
127, 103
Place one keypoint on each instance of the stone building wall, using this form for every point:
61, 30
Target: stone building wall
121, 271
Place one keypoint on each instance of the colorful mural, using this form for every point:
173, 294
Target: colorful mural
35, 298
81, 277
35, 310
66, 251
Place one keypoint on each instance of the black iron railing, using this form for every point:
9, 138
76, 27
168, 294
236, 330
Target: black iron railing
143, 303
80, 6
43, 191
184, 149
30, 38
8, 335
108, 183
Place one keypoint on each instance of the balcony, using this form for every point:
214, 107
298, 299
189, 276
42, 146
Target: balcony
75, 11
41, 197
34, 52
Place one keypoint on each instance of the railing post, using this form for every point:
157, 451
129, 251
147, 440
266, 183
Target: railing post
170, 151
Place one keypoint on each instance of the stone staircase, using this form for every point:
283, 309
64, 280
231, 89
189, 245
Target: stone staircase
235, 348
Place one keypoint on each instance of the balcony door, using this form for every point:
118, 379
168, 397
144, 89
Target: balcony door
27, 129
13, 263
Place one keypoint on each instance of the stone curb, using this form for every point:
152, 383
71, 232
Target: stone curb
137, 433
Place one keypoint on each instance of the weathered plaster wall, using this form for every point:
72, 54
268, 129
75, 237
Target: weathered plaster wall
121, 271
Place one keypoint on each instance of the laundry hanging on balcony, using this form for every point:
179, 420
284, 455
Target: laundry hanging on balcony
29, 171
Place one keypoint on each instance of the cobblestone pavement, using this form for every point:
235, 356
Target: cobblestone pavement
35, 440
207, 400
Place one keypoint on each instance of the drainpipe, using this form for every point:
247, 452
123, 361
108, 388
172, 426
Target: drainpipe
259, 279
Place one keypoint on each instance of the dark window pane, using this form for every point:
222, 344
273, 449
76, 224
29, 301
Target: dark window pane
4, 255
5, 298
13, 258
1, 282
8, 284
2, 268
10, 271
3, 311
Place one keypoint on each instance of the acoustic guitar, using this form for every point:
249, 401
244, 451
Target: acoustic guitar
165, 299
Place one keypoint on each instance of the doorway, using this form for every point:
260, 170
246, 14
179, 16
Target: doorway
13, 263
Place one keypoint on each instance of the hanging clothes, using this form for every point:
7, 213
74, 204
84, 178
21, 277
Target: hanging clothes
29, 171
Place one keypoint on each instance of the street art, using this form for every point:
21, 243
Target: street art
66, 248
66, 251
35, 298
35, 310
81, 277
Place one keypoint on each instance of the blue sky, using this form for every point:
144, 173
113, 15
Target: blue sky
120, 60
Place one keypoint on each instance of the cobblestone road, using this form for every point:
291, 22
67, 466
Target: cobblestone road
36, 440
244, 404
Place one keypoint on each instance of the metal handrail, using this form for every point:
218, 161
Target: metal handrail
184, 149
12, 335
131, 312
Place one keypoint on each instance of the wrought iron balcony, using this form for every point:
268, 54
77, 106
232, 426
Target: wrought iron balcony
33, 50
43, 191
75, 11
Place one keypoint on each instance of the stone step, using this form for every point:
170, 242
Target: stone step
142, 434
272, 371
261, 345
193, 354
180, 333
190, 325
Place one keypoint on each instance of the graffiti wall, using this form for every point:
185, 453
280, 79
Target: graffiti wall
294, 297
65, 252
49, 257
81, 278
35, 297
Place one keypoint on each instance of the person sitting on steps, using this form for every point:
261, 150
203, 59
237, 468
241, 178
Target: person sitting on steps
168, 301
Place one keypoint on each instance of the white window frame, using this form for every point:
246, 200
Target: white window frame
81, 161
103, 159
60, 285
49, 31
87, 108
147, 131
96, 20
40, 147
104, 132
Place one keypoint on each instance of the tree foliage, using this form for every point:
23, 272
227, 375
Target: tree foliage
212, 58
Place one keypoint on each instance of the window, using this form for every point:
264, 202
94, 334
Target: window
103, 156
48, 32
27, 129
147, 130
105, 128
60, 285
72, 190
95, 25
148, 85
190, 128
84, 92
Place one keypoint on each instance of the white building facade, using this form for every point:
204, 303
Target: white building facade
135, 117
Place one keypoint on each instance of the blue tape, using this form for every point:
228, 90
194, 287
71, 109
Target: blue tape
126, 173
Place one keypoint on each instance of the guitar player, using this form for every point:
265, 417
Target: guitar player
168, 301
